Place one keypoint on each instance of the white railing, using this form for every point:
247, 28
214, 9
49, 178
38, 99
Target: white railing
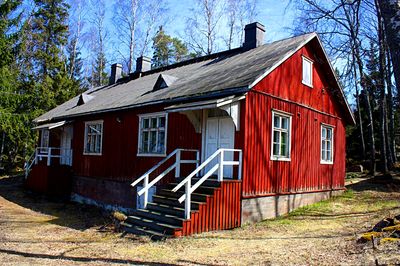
52, 152
189, 189
29, 163
49, 153
177, 166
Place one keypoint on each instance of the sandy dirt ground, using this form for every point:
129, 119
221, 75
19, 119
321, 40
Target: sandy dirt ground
36, 230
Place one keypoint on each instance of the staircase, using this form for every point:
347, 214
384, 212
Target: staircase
180, 208
164, 217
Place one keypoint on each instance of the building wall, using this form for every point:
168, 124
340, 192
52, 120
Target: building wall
283, 90
119, 160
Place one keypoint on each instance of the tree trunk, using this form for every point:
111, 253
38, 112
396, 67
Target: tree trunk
390, 10
382, 93
391, 135
361, 127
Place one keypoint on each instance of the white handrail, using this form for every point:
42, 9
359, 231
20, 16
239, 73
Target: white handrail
39, 154
177, 166
189, 189
29, 163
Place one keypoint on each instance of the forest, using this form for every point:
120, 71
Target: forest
52, 50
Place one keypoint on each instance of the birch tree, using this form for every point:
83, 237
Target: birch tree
98, 37
202, 26
238, 14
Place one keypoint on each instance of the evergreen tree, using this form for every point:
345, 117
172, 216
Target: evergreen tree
14, 117
49, 36
167, 50
99, 74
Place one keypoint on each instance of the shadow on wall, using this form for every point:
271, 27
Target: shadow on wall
72, 215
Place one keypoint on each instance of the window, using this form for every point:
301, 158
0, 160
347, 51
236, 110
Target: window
326, 144
44, 140
307, 71
152, 134
281, 127
93, 137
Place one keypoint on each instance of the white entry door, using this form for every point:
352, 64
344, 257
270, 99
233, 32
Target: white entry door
220, 133
66, 145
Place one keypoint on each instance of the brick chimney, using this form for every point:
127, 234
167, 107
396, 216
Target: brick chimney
253, 35
116, 73
143, 64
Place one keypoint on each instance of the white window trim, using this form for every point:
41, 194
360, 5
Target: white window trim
288, 115
142, 116
43, 148
304, 58
94, 122
332, 143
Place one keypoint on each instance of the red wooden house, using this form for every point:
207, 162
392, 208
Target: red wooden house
205, 144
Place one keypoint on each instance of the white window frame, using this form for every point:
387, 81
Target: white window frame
326, 126
87, 124
140, 130
289, 131
44, 140
305, 82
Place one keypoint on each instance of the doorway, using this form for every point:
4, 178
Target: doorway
219, 133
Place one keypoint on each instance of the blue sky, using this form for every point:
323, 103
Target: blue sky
272, 14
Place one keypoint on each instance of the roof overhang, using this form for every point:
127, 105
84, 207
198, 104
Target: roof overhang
50, 125
193, 110
207, 104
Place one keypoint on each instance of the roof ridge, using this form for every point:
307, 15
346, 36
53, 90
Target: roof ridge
202, 58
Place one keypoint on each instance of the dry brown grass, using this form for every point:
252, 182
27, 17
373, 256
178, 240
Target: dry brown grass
35, 230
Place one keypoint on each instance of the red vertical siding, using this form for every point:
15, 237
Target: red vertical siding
283, 90
119, 160
221, 211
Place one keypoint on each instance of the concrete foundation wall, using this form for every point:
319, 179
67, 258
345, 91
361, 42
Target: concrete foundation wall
107, 192
261, 208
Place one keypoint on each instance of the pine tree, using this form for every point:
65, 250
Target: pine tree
49, 36
167, 50
14, 116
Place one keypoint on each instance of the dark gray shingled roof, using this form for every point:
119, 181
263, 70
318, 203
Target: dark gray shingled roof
226, 72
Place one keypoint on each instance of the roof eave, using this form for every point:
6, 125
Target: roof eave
224, 92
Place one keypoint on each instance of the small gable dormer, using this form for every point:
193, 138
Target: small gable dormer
164, 81
84, 98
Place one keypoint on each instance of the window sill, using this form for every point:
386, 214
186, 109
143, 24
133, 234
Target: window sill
325, 162
151, 155
307, 84
283, 159
94, 154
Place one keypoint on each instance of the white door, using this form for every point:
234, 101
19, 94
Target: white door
220, 133
66, 145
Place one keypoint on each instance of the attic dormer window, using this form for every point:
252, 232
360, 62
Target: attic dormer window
164, 81
307, 71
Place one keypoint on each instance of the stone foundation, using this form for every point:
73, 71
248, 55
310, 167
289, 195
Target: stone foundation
261, 208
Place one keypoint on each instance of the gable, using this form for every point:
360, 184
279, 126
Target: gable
325, 94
